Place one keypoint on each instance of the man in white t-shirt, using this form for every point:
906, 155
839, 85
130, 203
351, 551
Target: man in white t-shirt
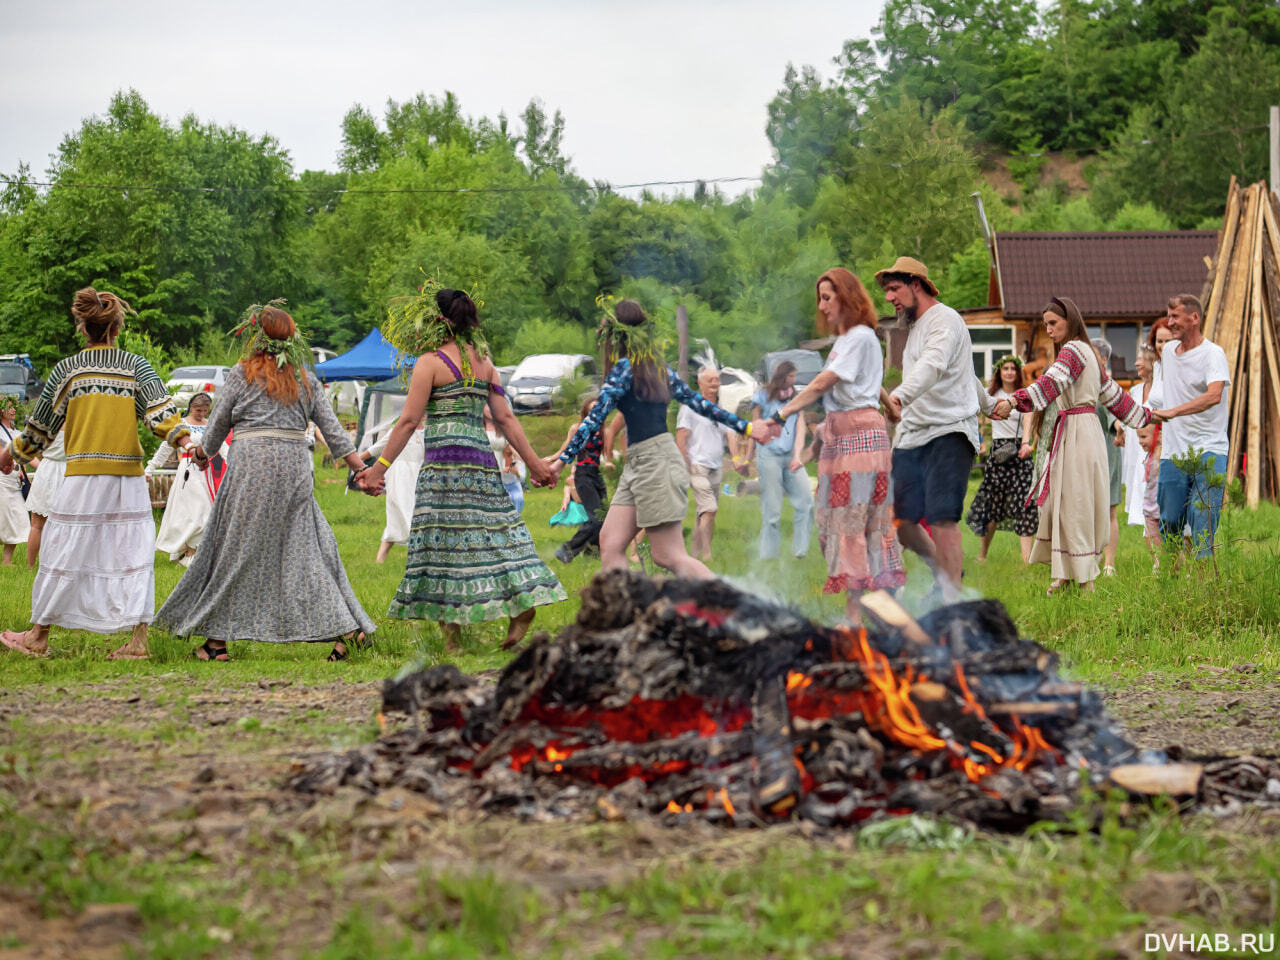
938, 402
1192, 402
701, 441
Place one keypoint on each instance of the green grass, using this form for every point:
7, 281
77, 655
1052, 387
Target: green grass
330, 888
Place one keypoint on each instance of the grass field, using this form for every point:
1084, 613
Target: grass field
155, 786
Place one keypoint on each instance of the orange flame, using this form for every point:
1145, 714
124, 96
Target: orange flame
888, 708
728, 804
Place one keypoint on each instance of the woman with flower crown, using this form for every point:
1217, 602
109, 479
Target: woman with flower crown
268, 566
652, 492
1009, 471
471, 557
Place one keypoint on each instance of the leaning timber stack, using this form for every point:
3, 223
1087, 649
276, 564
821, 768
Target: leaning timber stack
1242, 310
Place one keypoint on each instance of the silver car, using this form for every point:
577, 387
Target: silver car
536, 382
185, 382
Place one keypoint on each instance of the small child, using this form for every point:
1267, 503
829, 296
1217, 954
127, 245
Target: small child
1149, 437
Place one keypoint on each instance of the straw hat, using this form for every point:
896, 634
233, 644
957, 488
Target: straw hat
912, 268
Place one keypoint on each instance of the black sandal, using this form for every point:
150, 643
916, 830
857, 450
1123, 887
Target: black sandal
208, 653
336, 655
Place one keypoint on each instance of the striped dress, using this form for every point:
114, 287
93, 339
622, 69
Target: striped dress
471, 557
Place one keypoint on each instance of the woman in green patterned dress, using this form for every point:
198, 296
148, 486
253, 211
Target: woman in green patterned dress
471, 557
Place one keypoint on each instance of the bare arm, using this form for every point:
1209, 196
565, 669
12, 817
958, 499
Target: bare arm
415, 408
682, 441
1210, 398
798, 449
509, 426
616, 426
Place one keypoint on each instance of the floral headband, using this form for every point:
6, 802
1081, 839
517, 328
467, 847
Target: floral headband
415, 325
1009, 358
639, 343
294, 349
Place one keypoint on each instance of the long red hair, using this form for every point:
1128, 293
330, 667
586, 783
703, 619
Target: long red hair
280, 382
855, 302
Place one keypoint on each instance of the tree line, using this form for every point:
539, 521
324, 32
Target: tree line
1155, 104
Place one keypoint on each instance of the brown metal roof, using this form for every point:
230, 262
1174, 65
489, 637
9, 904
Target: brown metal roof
1120, 274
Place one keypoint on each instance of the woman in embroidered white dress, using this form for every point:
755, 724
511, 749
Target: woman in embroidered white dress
14, 525
191, 496
1073, 493
44, 487
401, 482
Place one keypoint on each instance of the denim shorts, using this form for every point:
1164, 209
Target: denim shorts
929, 482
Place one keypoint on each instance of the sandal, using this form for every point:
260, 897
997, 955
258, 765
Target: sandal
336, 655
210, 653
356, 640
17, 642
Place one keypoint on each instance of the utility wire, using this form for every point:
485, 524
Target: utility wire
568, 187
340, 190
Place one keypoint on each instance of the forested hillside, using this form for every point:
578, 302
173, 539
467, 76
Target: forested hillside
1154, 104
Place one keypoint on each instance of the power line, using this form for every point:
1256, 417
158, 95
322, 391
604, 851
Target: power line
562, 187
376, 190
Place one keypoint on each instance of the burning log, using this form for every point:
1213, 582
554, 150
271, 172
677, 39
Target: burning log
672, 699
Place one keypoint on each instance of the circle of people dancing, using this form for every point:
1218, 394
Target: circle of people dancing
262, 563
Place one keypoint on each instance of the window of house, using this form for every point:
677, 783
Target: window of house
990, 343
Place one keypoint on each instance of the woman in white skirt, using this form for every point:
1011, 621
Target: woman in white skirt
401, 481
191, 496
97, 571
14, 525
44, 487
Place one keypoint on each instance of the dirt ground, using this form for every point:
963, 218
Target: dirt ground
180, 766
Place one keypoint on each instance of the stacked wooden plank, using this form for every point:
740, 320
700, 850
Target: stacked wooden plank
1242, 308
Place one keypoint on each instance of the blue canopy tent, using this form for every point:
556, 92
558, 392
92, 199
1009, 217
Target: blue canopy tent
373, 359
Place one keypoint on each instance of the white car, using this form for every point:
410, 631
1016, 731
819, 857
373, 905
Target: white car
535, 383
185, 382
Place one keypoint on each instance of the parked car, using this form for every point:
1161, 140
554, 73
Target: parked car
537, 381
18, 377
808, 364
185, 382
504, 374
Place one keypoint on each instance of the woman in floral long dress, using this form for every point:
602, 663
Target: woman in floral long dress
471, 557
1073, 493
268, 567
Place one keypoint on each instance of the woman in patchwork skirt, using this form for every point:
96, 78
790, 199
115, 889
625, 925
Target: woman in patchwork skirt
855, 494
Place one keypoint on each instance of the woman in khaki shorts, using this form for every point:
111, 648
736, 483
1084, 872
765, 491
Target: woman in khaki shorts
652, 492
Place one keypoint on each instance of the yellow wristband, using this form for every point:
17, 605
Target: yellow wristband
748, 433
384, 461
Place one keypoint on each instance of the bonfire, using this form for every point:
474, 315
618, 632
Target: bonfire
674, 699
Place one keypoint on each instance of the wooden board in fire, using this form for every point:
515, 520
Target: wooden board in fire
678, 699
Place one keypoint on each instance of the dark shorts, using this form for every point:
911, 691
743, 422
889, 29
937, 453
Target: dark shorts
929, 482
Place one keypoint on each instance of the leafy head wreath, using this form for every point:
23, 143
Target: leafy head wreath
1009, 358
639, 343
293, 349
415, 325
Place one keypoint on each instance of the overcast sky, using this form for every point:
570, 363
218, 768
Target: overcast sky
650, 90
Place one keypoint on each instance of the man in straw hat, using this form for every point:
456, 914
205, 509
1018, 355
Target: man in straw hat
938, 402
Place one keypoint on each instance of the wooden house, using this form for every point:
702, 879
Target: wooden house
1121, 281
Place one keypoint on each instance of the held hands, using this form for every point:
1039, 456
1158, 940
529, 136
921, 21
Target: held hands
1161, 416
893, 409
1025, 451
543, 474
6, 461
765, 431
1001, 410
795, 464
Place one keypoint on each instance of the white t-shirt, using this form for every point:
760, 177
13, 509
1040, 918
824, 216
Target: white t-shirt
1011, 427
856, 359
706, 438
1183, 377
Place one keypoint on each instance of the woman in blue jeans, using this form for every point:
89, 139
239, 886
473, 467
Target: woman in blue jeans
781, 471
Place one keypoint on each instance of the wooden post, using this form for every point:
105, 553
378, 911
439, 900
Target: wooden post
682, 330
1255, 422
1275, 149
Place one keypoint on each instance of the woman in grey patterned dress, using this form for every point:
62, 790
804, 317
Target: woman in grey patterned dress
268, 567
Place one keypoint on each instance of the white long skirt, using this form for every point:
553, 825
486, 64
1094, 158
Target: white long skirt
45, 485
97, 565
185, 513
14, 522
402, 483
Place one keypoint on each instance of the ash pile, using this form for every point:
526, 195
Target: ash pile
676, 699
